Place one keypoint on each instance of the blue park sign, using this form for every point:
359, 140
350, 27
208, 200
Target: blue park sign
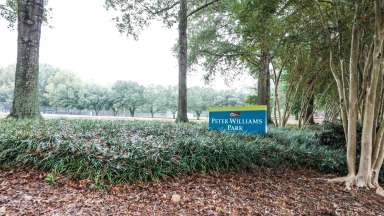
244, 119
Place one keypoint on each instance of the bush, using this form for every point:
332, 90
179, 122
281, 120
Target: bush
332, 134
127, 151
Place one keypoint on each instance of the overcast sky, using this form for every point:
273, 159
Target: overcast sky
83, 39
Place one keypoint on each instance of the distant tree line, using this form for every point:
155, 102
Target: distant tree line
62, 89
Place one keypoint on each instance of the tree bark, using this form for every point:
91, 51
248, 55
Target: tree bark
198, 115
182, 100
263, 83
309, 112
151, 110
342, 97
115, 112
132, 112
26, 102
378, 157
291, 92
277, 110
353, 96
365, 167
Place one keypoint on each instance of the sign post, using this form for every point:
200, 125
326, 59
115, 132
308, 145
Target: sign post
241, 119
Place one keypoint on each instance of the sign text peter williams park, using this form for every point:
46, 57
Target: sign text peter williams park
245, 119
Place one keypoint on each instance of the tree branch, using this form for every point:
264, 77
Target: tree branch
222, 55
163, 9
202, 7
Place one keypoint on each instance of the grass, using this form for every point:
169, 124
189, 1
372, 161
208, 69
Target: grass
110, 152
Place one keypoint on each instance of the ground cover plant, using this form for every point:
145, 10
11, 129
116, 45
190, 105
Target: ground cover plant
110, 152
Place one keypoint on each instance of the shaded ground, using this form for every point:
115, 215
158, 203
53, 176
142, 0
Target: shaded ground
260, 192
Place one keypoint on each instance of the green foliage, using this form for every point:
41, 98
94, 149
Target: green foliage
128, 95
46, 72
134, 15
332, 134
8, 12
50, 179
152, 97
199, 99
125, 151
7, 82
169, 99
213, 43
7, 77
95, 97
64, 89
251, 99
230, 98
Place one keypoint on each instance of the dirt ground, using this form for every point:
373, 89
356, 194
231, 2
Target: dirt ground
258, 192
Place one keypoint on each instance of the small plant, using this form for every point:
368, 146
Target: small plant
50, 179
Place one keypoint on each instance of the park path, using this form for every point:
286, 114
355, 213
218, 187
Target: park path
257, 192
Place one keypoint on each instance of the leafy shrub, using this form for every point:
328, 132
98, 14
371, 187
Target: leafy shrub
332, 134
126, 151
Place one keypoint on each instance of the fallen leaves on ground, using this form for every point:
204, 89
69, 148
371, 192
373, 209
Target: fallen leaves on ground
258, 192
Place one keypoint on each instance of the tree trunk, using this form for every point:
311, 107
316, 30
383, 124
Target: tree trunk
132, 112
365, 167
342, 97
378, 124
263, 83
309, 112
152, 111
353, 97
277, 110
289, 94
198, 115
26, 101
115, 112
182, 100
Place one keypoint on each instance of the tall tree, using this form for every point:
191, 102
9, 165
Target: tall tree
135, 14
129, 95
366, 175
239, 32
64, 90
95, 97
30, 17
182, 100
370, 97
